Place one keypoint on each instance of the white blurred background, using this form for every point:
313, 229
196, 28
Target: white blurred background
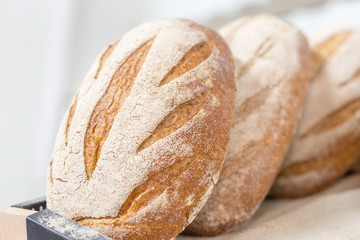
47, 46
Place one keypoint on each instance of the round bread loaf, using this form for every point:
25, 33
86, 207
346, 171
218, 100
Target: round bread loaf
328, 141
141, 147
273, 61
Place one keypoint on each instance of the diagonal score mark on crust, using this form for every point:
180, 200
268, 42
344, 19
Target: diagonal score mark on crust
110, 104
251, 104
356, 76
50, 174
329, 47
264, 48
144, 194
153, 187
175, 120
71, 115
325, 50
341, 158
105, 56
334, 119
196, 55
259, 98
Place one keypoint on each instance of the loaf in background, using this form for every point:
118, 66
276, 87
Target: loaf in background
328, 141
272, 59
141, 147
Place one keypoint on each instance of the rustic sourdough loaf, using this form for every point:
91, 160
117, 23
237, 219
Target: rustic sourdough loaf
273, 63
328, 141
141, 147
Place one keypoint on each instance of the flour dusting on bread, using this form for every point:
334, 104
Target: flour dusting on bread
149, 129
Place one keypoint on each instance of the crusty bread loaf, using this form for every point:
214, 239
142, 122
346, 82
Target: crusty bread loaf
328, 140
142, 145
273, 64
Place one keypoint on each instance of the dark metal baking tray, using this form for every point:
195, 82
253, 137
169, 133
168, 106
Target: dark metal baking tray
48, 225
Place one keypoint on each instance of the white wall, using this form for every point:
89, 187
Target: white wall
33, 43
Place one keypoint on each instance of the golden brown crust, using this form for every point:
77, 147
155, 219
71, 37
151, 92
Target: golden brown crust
332, 133
331, 166
255, 154
328, 47
334, 119
325, 50
354, 77
110, 104
196, 55
179, 172
175, 120
171, 158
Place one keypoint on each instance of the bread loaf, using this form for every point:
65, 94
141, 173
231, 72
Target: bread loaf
141, 146
273, 63
328, 141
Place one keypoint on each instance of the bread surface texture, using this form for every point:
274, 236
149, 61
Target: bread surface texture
272, 59
356, 166
141, 147
328, 141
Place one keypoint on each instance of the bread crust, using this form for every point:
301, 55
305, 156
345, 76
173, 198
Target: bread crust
328, 142
141, 147
273, 66
356, 166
